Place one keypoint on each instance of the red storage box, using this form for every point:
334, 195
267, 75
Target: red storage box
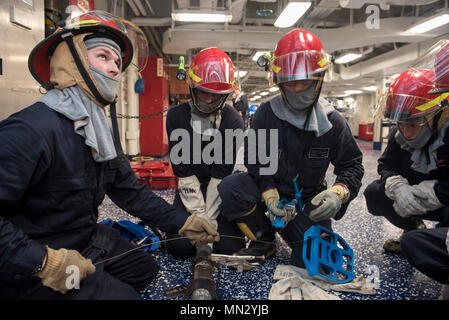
366, 131
155, 174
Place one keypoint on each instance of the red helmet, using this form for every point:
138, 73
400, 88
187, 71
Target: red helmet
408, 98
212, 71
123, 32
299, 55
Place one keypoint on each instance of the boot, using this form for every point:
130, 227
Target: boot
394, 245
257, 227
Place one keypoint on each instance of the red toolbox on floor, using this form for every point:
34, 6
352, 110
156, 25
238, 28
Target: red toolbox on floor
155, 174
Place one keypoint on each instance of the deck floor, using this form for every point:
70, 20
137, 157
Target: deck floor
365, 233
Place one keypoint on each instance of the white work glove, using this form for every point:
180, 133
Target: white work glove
426, 194
329, 202
189, 189
406, 203
213, 202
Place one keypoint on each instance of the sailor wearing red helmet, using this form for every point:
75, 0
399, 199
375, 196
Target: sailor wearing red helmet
311, 135
414, 166
59, 158
204, 120
428, 249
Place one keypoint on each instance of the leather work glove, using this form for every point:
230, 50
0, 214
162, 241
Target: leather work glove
55, 274
426, 193
329, 202
271, 198
198, 231
406, 203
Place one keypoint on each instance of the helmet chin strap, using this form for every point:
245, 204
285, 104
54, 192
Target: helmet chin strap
68, 38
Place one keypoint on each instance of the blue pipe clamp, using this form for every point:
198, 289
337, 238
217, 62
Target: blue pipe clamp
326, 254
292, 205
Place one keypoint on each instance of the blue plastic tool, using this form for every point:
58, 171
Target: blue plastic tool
293, 205
326, 254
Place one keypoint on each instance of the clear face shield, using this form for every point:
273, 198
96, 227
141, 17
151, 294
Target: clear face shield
210, 83
129, 29
303, 65
437, 60
408, 113
212, 76
299, 76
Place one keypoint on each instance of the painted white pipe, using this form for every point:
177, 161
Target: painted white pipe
133, 7
139, 5
152, 22
133, 127
122, 109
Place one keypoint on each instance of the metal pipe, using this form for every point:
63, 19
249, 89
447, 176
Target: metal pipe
133, 7
141, 7
133, 130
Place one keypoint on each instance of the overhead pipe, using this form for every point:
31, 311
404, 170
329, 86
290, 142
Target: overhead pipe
389, 63
141, 7
152, 22
133, 130
133, 7
150, 7
237, 9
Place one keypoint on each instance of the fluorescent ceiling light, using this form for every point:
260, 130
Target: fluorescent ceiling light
273, 89
265, 93
370, 88
351, 92
201, 17
430, 24
292, 12
348, 57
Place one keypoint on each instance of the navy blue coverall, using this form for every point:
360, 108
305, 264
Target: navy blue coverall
50, 189
300, 154
415, 245
179, 117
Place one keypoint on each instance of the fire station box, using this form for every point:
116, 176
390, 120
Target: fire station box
366, 131
154, 104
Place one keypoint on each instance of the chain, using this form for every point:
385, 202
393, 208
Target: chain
156, 115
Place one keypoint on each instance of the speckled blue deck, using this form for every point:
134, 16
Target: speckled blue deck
365, 233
